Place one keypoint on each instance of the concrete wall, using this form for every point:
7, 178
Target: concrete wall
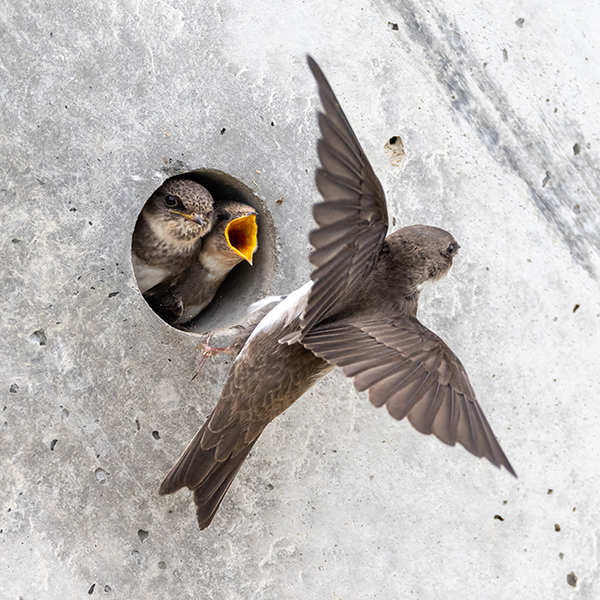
498, 108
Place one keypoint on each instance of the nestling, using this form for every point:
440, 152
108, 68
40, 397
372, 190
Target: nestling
232, 239
169, 231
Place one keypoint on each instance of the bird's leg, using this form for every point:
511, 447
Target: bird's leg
208, 352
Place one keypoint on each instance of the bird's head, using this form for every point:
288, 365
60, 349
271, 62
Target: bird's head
184, 207
421, 254
235, 232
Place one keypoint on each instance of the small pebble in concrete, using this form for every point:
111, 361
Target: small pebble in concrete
162, 565
107, 589
575, 308
53, 444
576, 149
561, 555
156, 435
91, 590
504, 55
519, 22
101, 475
393, 26
136, 556
498, 517
143, 535
572, 579
556, 527
13, 388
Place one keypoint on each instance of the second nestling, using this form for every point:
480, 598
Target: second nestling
184, 246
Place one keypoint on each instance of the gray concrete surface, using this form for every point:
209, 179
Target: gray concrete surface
497, 107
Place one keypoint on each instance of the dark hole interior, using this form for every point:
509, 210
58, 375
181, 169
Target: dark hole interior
244, 284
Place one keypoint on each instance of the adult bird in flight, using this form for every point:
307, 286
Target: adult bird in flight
359, 313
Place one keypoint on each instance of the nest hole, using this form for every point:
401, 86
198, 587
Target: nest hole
245, 283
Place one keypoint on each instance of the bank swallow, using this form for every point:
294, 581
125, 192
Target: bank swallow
359, 312
169, 231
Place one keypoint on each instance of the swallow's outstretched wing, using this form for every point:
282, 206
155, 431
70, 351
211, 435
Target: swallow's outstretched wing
352, 218
411, 371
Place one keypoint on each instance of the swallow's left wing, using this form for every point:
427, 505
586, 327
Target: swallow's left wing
411, 371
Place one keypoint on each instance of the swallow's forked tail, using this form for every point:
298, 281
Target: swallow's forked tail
204, 474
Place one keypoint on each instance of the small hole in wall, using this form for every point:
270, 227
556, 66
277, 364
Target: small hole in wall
394, 150
209, 220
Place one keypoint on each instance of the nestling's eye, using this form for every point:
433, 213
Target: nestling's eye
170, 200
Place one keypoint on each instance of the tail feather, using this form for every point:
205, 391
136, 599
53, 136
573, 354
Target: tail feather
205, 475
190, 469
207, 502
218, 475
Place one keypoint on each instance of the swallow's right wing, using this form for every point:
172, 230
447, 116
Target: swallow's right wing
352, 218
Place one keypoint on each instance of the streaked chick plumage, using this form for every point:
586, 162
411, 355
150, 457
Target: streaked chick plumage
232, 239
169, 231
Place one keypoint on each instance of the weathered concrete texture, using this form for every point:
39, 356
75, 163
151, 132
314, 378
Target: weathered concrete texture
497, 106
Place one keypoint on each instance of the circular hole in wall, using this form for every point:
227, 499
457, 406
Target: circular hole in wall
243, 285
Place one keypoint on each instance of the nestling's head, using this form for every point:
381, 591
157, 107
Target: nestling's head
183, 206
235, 231
421, 254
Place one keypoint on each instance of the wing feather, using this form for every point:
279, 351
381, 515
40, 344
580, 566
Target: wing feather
352, 218
412, 372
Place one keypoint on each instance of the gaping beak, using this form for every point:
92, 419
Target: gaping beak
241, 236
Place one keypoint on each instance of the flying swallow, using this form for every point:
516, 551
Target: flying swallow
358, 312
169, 231
233, 238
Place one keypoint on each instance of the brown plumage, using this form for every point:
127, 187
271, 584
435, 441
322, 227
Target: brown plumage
358, 313
233, 238
169, 231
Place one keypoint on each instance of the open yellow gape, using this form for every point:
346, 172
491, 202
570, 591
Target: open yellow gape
241, 235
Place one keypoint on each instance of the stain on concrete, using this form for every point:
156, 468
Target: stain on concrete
483, 105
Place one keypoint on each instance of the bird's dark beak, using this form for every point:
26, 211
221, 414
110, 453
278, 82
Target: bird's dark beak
196, 218
241, 236
192, 217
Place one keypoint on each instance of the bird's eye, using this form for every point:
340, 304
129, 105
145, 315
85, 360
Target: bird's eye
170, 200
452, 249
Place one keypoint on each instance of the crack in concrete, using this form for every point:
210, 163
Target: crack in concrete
481, 103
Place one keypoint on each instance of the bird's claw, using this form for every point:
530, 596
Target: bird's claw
207, 352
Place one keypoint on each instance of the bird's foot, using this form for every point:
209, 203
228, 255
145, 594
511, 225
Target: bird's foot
207, 352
